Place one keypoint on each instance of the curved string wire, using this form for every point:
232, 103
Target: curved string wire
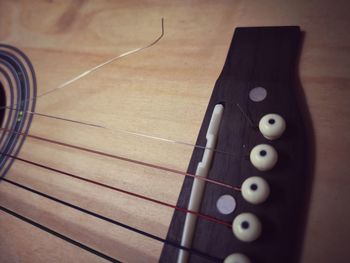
95, 68
69, 82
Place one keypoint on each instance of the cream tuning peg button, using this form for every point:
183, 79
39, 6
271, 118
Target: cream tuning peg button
263, 157
272, 126
246, 227
237, 258
255, 190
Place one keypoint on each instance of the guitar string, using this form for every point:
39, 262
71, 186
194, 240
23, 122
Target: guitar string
80, 76
246, 116
96, 68
59, 235
115, 222
118, 157
119, 130
101, 65
93, 69
181, 209
88, 72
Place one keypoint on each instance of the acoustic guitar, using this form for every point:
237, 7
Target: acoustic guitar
129, 138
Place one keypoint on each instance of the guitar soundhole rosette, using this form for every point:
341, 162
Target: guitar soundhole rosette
17, 101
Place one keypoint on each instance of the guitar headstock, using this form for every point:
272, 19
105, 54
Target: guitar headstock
261, 148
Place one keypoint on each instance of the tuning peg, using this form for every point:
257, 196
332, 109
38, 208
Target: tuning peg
272, 126
255, 190
263, 157
246, 227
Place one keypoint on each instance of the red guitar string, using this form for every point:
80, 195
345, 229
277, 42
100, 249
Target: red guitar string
123, 159
206, 217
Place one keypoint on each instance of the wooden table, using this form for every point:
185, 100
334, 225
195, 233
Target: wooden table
162, 91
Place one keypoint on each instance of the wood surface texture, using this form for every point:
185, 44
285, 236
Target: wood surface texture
162, 91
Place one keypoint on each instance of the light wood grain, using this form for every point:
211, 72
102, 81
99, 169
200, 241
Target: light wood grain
162, 91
